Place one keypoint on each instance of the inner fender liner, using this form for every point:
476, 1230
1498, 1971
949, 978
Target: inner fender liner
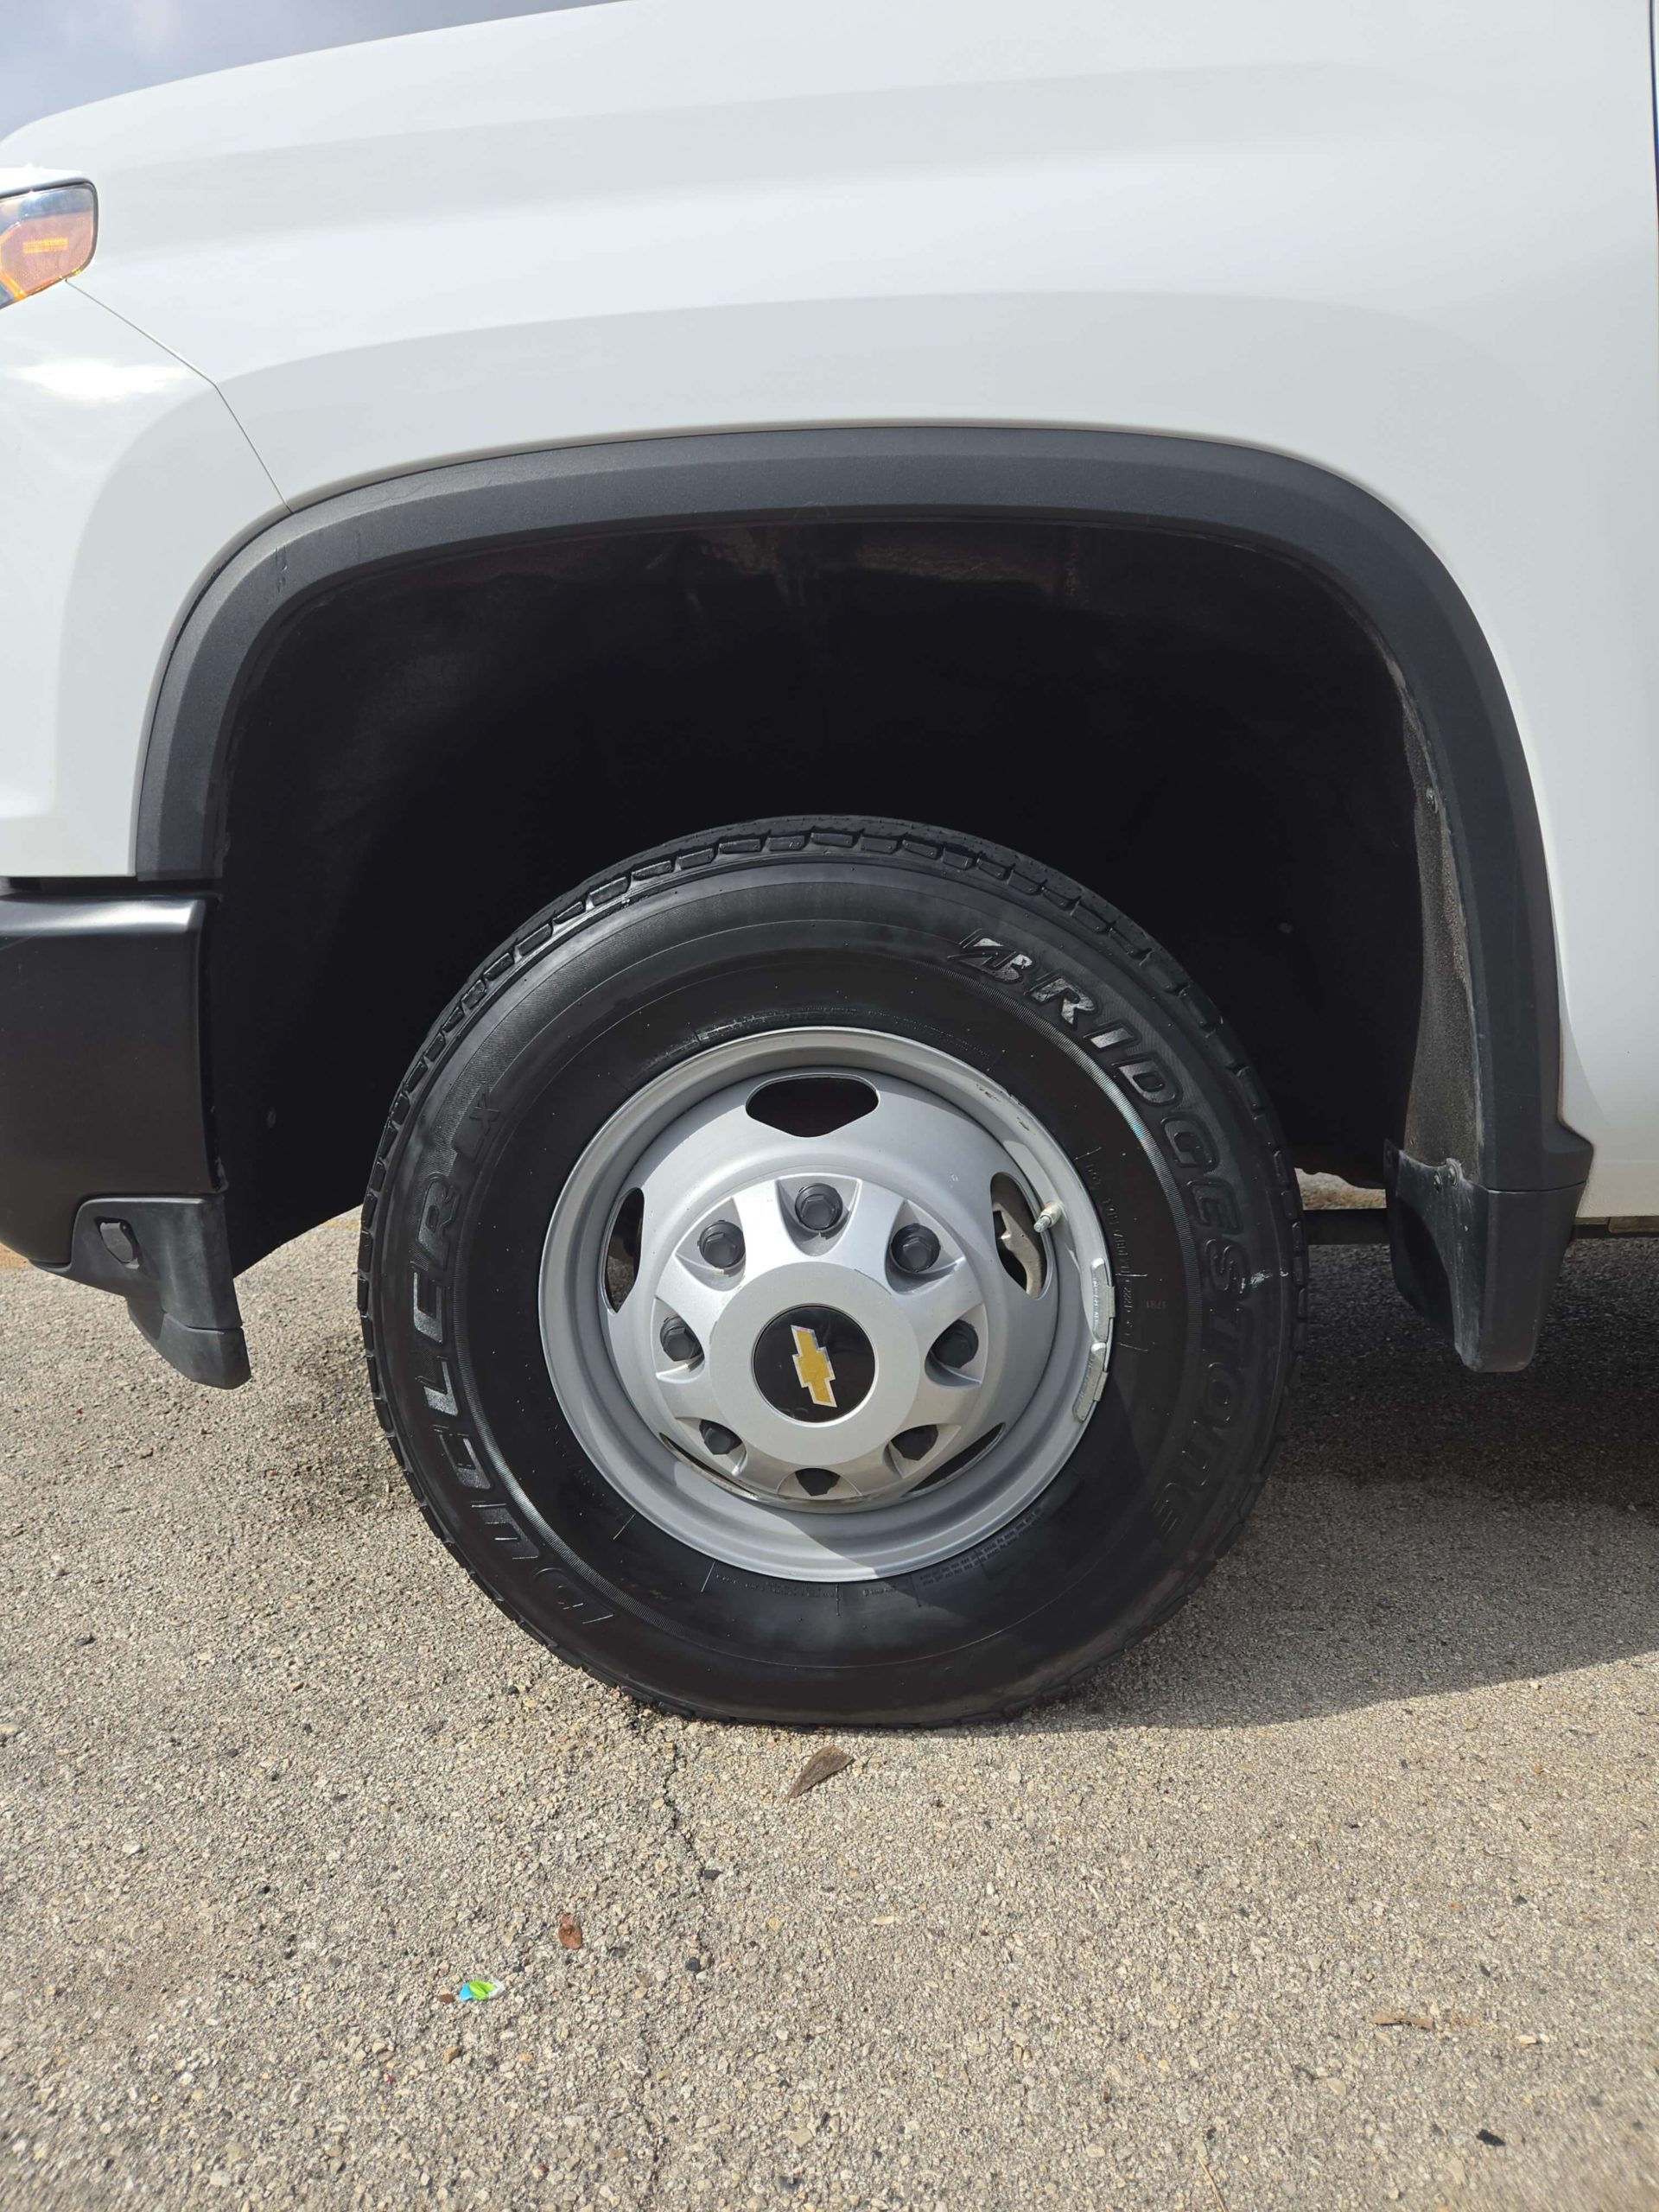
1485, 1082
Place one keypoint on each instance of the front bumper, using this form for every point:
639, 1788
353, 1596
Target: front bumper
106, 1172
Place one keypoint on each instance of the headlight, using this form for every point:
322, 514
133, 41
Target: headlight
45, 236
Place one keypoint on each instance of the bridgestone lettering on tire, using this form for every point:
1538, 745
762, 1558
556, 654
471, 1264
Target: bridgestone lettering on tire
983, 1002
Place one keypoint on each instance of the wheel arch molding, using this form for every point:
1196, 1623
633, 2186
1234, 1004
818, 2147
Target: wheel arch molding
1483, 1121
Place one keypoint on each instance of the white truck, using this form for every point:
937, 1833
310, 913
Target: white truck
822, 686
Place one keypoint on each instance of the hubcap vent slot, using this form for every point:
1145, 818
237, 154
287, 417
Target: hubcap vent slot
812, 1105
1017, 1245
622, 1249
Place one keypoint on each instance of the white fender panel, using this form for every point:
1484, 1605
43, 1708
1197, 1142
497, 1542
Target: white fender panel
125, 476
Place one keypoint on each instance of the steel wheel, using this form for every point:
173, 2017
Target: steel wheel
826, 1304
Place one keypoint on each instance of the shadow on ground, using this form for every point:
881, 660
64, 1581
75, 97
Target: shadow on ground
1426, 1529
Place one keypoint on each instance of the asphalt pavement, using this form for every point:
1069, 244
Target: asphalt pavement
1340, 1892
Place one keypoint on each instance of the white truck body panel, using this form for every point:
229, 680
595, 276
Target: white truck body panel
125, 479
1412, 246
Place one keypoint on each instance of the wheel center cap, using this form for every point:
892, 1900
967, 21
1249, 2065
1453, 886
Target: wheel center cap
814, 1363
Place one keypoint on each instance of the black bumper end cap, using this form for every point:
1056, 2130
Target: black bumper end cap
1479, 1265
170, 1259
218, 1358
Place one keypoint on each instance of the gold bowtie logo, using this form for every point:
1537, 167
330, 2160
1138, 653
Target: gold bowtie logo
812, 1365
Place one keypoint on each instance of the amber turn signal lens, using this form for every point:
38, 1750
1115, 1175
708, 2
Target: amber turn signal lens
45, 236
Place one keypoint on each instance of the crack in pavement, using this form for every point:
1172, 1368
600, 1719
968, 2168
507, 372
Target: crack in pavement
652, 2037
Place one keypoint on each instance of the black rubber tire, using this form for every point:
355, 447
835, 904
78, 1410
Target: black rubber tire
872, 924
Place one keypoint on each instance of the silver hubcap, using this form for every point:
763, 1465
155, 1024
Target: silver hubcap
826, 1304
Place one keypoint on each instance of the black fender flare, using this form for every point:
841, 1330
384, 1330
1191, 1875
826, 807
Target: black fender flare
1485, 1178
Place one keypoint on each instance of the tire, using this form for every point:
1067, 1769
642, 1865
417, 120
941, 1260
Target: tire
952, 955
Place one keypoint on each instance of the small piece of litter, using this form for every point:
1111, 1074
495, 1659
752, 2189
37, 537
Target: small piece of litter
1215, 2187
1526, 2043
569, 1932
1401, 2020
824, 1763
1485, 2135
477, 1993
885, 1920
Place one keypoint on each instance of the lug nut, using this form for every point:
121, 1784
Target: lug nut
722, 1245
916, 1443
914, 1249
817, 1482
722, 1442
818, 1208
956, 1346
678, 1341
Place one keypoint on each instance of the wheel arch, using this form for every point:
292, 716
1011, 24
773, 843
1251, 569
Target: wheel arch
1484, 1174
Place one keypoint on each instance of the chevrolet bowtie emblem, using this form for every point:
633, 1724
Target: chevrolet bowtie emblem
812, 1365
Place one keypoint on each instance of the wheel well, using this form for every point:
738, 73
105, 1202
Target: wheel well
1201, 732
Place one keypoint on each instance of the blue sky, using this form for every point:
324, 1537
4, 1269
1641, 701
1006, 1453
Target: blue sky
64, 52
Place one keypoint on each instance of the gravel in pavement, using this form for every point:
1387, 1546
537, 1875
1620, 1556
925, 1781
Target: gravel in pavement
1340, 1892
